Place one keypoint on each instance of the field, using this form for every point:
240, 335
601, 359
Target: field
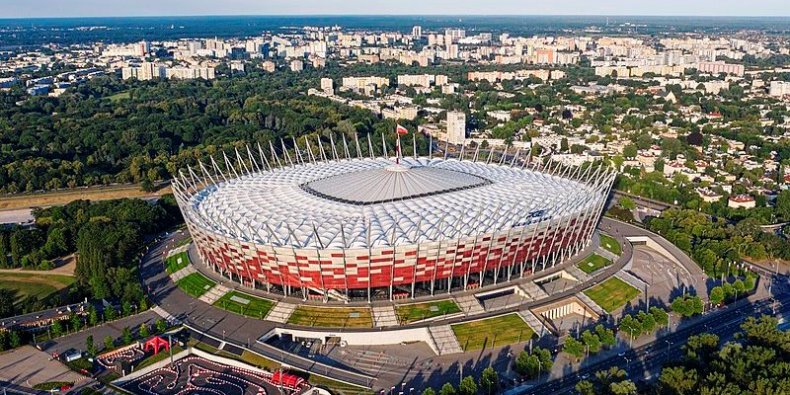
34, 284
419, 311
29, 200
235, 302
342, 317
492, 332
612, 294
119, 96
172, 265
195, 284
610, 244
593, 263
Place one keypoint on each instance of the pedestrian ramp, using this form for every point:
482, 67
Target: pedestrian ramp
631, 280
469, 305
591, 303
384, 316
445, 340
534, 323
281, 312
577, 273
214, 294
182, 273
533, 290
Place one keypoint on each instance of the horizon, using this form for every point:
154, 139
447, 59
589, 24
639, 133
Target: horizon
27, 9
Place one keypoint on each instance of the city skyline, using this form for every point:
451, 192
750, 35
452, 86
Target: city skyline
96, 8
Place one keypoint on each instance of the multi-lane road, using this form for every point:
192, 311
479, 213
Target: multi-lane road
647, 360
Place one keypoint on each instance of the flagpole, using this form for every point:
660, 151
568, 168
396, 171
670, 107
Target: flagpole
397, 151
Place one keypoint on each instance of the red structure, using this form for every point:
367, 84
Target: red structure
281, 379
156, 343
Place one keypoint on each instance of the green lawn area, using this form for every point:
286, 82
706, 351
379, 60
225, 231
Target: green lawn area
37, 285
341, 317
593, 263
492, 332
158, 357
419, 311
195, 284
244, 304
119, 96
176, 262
612, 294
610, 244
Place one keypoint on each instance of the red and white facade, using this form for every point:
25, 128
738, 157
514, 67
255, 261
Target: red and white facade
328, 225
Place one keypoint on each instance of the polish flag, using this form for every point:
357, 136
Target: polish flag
401, 130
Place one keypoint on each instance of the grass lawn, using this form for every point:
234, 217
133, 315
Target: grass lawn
612, 294
593, 263
176, 262
119, 96
37, 285
244, 304
195, 284
610, 244
341, 317
419, 311
158, 357
492, 332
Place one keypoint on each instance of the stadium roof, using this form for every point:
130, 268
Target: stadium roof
370, 202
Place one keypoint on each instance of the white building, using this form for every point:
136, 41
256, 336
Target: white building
328, 86
456, 127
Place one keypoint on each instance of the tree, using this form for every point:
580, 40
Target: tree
447, 389
126, 336
625, 387
14, 339
606, 335
467, 386
630, 151
93, 316
109, 343
90, 346
428, 391
573, 347
660, 316
585, 387
631, 326
144, 332
489, 380
627, 203
110, 314
783, 205
57, 328
161, 325
7, 302
677, 381
716, 295
76, 322
591, 342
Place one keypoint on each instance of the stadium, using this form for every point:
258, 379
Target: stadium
329, 224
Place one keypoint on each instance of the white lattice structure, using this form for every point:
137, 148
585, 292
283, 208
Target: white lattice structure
329, 222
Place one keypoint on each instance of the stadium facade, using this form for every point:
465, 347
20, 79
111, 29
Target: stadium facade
337, 224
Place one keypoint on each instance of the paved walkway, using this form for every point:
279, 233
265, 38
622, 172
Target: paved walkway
384, 316
215, 293
281, 312
577, 273
445, 340
469, 305
183, 273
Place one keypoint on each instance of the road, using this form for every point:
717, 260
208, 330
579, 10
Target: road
648, 359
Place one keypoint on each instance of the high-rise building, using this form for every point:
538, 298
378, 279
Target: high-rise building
328, 86
456, 127
416, 31
779, 88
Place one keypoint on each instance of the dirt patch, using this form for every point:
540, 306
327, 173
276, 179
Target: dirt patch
13, 202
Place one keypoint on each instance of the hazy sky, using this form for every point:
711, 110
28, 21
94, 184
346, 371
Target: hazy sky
85, 8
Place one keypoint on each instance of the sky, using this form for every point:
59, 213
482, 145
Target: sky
95, 8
